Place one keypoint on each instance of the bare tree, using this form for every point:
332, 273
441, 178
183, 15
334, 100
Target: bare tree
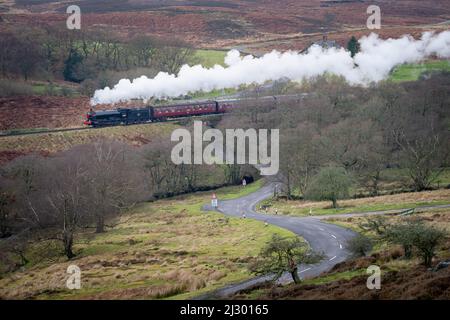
171, 55
49, 197
113, 179
298, 158
423, 139
143, 48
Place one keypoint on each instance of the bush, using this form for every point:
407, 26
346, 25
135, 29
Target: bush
426, 239
416, 235
403, 235
360, 245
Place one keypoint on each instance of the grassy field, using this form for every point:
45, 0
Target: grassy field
412, 72
166, 249
387, 202
209, 58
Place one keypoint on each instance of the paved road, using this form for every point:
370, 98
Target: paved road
322, 237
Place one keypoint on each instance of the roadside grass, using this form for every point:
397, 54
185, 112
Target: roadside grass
59, 141
166, 249
234, 192
412, 72
387, 202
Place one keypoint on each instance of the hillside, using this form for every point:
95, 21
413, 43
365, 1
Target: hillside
251, 26
173, 201
155, 251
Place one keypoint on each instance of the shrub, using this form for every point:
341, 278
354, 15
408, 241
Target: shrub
417, 235
426, 239
360, 245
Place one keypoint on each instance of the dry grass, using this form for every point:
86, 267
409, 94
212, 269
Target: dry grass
386, 202
48, 143
415, 283
166, 249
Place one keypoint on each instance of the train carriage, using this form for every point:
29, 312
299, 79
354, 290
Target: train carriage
163, 113
226, 106
184, 110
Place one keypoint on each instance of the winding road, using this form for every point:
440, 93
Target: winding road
322, 237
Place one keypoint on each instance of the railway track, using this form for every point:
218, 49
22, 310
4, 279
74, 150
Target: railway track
12, 133
43, 131
5, 134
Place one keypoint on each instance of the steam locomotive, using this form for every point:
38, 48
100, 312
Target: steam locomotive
123, 116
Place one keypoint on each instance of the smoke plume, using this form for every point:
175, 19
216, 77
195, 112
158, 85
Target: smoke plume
373, 63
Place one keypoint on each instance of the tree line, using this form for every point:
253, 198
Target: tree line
89, 57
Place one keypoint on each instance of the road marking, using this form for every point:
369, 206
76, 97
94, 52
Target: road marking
340, 245
333, 258
305, 270
333, 236
321, 229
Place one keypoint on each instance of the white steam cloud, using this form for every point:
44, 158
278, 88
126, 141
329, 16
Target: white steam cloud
373, 63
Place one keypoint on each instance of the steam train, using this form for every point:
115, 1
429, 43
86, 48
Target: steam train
125, 116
